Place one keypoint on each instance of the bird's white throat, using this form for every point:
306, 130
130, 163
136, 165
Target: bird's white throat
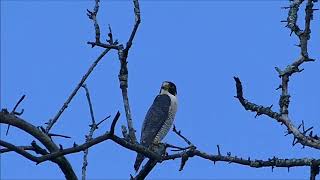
172, 97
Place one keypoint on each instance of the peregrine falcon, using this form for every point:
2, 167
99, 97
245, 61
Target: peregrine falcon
159, 119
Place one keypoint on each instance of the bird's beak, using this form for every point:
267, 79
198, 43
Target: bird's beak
165, 87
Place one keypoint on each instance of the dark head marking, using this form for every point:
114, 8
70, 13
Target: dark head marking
170, 87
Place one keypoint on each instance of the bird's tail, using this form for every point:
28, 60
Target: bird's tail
138, 161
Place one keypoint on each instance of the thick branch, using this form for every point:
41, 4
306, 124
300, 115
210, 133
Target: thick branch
26, 148
63, 163
18, 150
146, 169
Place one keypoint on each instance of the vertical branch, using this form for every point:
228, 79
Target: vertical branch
93, 16
136, 25
123, 79
314, 171
303, 36
93, 127
123, 74
89, 103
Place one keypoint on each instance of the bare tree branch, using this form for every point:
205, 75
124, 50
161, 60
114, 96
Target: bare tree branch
14, 111
271, 162
136, 25
93, 127
314, 170
56, 154
26, 148
300, 136
146, 169
180, 135
123, 74
62, 162
51, 122
18, 150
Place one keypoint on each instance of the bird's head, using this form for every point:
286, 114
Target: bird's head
168, 87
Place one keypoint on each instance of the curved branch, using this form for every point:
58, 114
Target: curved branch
63, 163
301, 137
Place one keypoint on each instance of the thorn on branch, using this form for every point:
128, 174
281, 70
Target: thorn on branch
280, 86
218, 147
288, 132
60, 147
58, 135
110, 40
90, 14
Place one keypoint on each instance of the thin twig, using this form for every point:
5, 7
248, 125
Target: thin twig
14, 110
180, 135
51, 122
58, 135
89, 103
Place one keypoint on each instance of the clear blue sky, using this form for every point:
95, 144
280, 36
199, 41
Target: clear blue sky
198, 45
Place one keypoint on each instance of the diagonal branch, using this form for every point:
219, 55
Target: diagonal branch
14, 111
18, 150
51, 122
146, 169
136, 24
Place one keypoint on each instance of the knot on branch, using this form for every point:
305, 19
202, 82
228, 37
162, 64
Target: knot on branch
289, 70
284, 102
123, 78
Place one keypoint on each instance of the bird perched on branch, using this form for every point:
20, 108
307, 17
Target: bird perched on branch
159, 119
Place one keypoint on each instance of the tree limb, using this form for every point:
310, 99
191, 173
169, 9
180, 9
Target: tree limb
51, 122
62, 162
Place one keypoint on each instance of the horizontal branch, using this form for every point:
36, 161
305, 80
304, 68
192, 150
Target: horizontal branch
271, 162
26, 148
191, 152
18, 150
